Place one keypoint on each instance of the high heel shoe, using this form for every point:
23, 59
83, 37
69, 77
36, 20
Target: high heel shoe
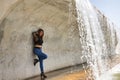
43, 75
35, 61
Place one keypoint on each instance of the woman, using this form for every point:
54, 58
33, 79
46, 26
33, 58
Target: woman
38, 41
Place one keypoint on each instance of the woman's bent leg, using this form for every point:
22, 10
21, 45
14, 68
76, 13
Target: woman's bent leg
43, 56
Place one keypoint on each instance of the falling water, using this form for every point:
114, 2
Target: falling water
92, 39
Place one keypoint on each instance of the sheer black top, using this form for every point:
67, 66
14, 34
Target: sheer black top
37, 40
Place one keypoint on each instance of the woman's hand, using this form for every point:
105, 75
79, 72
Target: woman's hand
34, 34
35, 37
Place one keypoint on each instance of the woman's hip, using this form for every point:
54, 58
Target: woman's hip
39, 53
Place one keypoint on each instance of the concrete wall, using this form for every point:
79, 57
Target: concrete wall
61, 42
18, 19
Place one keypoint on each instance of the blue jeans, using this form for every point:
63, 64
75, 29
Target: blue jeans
41, 56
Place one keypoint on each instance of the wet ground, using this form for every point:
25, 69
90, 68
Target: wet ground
69, 76
69, 73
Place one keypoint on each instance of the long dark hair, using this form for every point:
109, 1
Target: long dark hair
41, 30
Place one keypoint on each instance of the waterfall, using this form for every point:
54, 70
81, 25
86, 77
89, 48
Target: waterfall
92, 39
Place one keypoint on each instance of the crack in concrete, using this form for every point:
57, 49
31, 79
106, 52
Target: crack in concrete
2, 25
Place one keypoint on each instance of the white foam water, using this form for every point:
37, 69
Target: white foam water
92, 39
